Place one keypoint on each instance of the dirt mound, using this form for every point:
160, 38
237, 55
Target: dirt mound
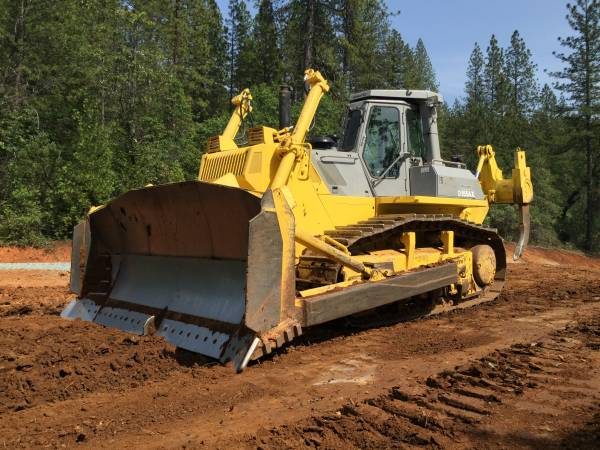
33, 292
553, 257
24, 301
59, 251
48, 359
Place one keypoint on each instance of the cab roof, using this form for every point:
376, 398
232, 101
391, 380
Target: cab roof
398, 94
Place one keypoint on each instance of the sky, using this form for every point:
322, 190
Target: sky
450, 29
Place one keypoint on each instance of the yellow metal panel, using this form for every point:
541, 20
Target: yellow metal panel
467, 209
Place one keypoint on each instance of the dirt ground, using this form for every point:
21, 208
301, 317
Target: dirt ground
56, 252
520, 372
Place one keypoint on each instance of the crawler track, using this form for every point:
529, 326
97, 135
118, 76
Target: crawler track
379, 232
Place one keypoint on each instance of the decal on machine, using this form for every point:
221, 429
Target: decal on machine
466, 192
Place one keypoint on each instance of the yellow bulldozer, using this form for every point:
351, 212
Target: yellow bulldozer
286, 233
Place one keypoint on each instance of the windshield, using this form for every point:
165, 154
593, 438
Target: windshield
351, 127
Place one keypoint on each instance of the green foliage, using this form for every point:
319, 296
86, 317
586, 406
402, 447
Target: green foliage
100, 97
22, 217
238, 43
474, 87
579, 81
520, 76
423, 73
30, 162
263, 59
399, 57
505, 108
494, 77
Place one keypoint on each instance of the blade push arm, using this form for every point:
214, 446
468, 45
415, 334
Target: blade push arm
517, 190
292, 147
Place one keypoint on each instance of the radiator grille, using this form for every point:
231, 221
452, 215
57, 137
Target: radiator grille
213, 144
215, 165
256, 136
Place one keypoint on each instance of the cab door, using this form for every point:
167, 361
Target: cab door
384, 153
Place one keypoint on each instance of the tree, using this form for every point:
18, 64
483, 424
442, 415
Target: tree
470, 120
493, 76
423, 68
551, 172
309, 40
264, 56
579, 80
520, 76
238, 36
364, 25
399, 62
474, 86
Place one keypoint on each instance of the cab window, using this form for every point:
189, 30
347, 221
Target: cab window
382, 144
351, 127
416, 146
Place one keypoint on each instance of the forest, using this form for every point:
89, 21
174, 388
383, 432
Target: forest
101, 96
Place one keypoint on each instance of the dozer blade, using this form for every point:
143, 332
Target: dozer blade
169, 260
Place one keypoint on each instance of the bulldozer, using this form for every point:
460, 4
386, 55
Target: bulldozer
286, 232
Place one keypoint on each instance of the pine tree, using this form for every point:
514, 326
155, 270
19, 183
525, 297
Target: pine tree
520, 75
494, 79
364, 25
264, 56
474, 86
424, 68
238, 35
550, 171
309, 40
475, 113
580, 82
399, 61
206, 62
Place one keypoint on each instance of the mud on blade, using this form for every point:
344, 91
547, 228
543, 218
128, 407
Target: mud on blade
169, 260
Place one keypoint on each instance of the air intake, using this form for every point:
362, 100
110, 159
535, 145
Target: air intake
215, 165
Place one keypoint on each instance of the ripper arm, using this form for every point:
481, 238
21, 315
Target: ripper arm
517, 190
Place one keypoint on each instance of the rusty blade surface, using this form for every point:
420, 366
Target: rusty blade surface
188, 219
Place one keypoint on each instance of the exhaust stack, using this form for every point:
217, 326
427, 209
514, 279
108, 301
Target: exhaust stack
285, 102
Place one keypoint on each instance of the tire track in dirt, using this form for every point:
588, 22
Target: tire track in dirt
172, 399
456, 408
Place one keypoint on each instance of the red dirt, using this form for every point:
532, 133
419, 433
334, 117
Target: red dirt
33, 278
57, 252
520, 372
554, 257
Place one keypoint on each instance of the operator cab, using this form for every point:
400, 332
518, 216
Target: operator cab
389, 147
